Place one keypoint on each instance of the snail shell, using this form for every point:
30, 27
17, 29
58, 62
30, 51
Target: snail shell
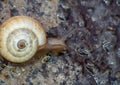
20, 38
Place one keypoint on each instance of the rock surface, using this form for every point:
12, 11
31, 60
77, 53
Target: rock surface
92, 32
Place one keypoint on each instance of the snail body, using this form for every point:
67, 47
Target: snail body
20, 38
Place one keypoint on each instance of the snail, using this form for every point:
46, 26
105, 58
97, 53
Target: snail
22, 36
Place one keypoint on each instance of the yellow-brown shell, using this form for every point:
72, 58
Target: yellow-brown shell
20, 38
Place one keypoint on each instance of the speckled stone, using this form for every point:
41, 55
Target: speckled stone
91, 29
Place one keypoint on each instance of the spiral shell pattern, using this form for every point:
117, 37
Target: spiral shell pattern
20, 38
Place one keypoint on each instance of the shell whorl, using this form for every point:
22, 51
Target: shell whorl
20, 38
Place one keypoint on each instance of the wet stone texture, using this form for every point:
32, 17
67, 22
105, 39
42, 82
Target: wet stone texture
91, 29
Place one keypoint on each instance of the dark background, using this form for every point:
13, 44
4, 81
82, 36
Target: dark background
91, 29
